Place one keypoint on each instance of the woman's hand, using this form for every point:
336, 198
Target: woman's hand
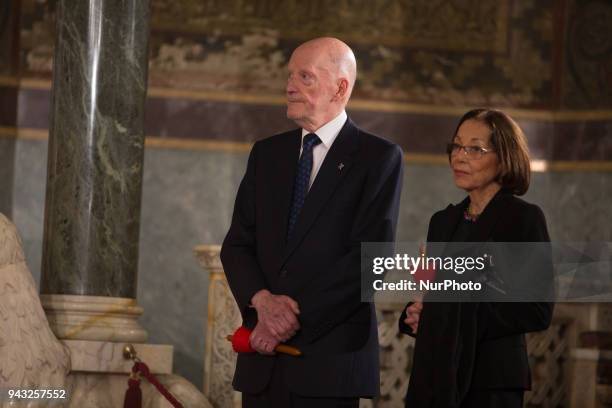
413, 312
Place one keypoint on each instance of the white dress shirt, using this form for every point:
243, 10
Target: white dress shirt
327, 133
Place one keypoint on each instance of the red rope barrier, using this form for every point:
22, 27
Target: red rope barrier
133, 396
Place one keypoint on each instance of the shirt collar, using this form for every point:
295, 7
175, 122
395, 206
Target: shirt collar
329, 131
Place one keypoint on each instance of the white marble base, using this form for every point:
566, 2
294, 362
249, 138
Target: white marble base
107, 357
99, 376
100, 318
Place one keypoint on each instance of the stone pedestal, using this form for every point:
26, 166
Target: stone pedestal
100, 372
107, 357
94, 318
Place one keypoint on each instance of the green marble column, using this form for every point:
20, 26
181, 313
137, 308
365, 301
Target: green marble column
96, 142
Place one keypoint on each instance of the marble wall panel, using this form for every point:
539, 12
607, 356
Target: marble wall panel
187, 200
416, 132
34, 108
29, 199
8, 106
590, 140
183, 118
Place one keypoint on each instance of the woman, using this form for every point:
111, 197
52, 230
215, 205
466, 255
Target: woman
474, 354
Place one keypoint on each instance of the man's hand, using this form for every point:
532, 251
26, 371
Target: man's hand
262, 341
277, 313
413, 313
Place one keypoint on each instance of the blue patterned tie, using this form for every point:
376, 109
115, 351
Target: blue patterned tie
302, 179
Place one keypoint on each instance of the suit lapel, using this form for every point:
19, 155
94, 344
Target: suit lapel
335, 167
285, 167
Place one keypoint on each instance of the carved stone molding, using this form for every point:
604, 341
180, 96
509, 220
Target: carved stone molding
223, 319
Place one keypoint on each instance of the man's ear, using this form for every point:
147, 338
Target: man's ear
343, 86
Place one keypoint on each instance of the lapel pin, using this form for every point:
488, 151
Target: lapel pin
340, 166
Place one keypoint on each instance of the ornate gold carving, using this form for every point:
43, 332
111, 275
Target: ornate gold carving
440, 24
588, 69
437, 52
525, 67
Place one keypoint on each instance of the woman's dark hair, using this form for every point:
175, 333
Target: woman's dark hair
510, 145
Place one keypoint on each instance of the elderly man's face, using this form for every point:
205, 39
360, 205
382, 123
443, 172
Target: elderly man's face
311, 88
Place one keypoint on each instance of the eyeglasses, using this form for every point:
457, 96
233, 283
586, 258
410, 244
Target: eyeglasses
472, 152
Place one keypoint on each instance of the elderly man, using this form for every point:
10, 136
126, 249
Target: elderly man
308, 200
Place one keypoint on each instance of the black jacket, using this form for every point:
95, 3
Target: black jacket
354, 199
463, 346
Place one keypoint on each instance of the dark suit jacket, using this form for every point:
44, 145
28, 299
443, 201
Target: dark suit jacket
469, 346
354, 199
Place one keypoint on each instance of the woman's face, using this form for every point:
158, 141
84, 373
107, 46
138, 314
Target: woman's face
477, 170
